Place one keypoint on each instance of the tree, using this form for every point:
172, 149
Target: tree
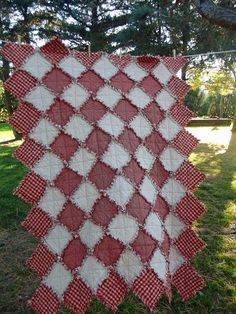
216, 14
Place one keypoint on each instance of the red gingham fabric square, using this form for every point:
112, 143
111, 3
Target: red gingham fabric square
86, 59
56, 80
125, 110
93, 110
148, 62
112, 291
55, 50
101, 175
185, 142
154, 113
45, 301
129, 140
149, 288
98, 141
31, 188
29, 152
78, 296
37, 222
189, 175
71, 216
178, 87
122, 82
190, 208
25, 118
20, 83
151, 85
174, 64
121, 62
194, 246
165, 245
68, 181
74, 254
158, 173
155, 142
187, 281
108, 250
144, 246
60, 112
139, 207
41, 260
64, 146
161, 207
134, 172
16, 53
181, 114
91, 81
103, 211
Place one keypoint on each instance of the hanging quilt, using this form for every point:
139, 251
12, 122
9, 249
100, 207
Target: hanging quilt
109, 179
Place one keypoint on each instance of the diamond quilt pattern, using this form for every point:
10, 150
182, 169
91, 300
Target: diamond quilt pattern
109, 180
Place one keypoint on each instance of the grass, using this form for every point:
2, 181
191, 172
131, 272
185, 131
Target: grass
217, 263
5, 132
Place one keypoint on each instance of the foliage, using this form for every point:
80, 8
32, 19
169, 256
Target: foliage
135, 26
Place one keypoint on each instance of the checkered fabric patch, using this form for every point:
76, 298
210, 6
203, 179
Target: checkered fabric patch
109, 178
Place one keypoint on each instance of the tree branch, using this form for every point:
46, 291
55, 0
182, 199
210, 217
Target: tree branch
216, 14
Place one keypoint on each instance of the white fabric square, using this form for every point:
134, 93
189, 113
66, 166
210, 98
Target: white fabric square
111, 124
123, 227
154, 227
173, 191
105, 68
82, 161
159, 264
72, 66
40, 97
162, 73
144, 157
135, 72
165, 100
44, 132
116, 156
93, 273
57, 239
108, 96
52, 201
49, 166
175, 260
169, 129
171, 159
90, 234
174, 226
139, 98
75, 95
129, 266
85, 196
121, 191
37, 65
78, 128
148, 190
141, 126
58, 279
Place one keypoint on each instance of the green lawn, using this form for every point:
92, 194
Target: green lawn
217, 263
5, 132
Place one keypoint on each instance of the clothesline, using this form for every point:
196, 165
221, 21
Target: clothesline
207, 53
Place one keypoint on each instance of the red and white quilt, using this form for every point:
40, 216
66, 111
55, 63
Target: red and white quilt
109, 178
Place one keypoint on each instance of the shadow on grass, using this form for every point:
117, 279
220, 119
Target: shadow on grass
216, 263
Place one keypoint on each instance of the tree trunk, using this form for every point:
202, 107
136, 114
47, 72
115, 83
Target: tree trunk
8, 97
234, 120
216, 14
